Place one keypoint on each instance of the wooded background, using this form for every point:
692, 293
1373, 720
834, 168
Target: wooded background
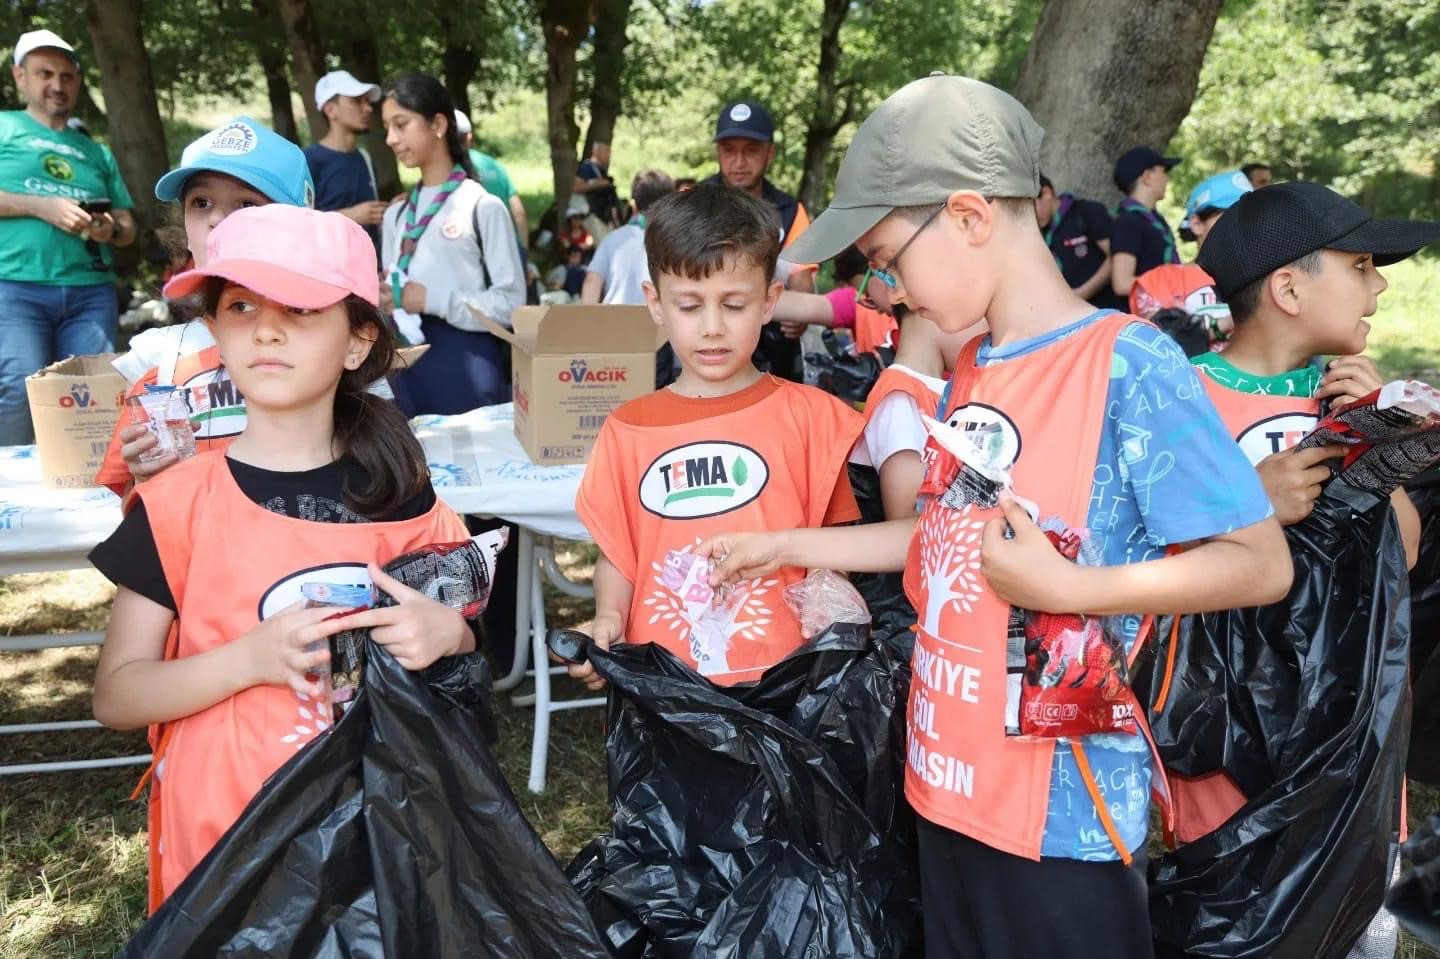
1345, 91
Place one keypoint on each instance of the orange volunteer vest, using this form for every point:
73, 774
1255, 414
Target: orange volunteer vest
874, 329
214, 402
651, 490
1262, 425
230, 563
962, 772
896, 379
1182, 286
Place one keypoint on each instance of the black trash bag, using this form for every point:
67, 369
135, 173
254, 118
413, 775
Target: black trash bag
777, 353
1186, 329
394, 834
758, 820
1424, 764
1306, 705
1415, 898
842, 373
891, 615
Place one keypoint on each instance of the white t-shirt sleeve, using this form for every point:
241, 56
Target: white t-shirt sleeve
894, 427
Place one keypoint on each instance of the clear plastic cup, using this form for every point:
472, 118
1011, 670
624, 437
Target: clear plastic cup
165, 412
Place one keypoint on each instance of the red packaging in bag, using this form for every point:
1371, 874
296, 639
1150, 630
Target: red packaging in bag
1075, 680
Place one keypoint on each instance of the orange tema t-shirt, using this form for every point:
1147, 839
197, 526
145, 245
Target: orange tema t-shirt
669, 471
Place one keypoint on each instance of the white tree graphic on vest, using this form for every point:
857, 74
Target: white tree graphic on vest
949, 562
694, 616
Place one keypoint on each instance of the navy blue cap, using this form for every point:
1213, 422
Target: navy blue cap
747, 119
1135, 162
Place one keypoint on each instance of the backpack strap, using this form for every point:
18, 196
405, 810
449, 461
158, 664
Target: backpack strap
480, 243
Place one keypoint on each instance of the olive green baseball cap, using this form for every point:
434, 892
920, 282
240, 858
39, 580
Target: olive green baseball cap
930, 138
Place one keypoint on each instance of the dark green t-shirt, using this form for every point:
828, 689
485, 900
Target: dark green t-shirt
38, 161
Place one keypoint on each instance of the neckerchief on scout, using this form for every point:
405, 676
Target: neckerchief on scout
1067, 200
415, 229
1132, 205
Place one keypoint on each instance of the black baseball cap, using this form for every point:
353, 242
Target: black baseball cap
1269, 228
1136, 161
746, 119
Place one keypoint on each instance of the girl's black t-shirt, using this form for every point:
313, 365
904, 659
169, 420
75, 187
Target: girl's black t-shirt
130, 558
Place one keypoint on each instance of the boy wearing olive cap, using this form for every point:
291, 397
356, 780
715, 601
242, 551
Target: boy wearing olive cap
1028, 847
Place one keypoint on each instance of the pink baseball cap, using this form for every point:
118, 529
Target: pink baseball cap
296, 256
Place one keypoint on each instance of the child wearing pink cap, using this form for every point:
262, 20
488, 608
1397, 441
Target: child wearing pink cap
209, 644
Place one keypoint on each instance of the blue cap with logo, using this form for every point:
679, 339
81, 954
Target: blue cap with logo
746, 120
1218, 192
251, 153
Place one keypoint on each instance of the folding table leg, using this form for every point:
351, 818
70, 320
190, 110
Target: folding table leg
523, 605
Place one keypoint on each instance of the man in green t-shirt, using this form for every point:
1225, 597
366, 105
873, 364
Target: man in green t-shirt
494, 179
67, 206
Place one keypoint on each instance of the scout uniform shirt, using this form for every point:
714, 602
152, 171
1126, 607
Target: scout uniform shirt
669, 471
231, 563
38, 161
1105, 426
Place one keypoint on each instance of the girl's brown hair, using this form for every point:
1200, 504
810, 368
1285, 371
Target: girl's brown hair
369, 428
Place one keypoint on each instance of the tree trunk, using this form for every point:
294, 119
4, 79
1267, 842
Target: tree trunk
307, 55
460, 61
826, 119
605, 93
1099, 84
137, 136
270, 51
564, 23
362, 58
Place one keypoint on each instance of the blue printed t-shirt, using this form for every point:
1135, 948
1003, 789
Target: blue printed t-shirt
1167, 472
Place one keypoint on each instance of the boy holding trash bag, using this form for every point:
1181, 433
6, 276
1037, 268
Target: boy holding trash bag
724, 446
1028, 847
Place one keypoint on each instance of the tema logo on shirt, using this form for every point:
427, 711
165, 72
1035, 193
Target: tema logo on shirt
703, 479
57, 167
1274, 434
991, 431
286, 592
216, 404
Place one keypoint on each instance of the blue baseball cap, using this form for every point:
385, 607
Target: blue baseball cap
251, 153
1218, 192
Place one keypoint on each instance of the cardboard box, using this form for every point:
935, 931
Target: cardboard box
74, 405
573, 365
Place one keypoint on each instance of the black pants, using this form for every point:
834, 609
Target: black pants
981, 903
499, 616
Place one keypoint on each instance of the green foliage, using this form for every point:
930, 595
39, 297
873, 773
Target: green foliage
1342, 91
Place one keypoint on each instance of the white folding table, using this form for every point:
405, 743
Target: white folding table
477, 466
